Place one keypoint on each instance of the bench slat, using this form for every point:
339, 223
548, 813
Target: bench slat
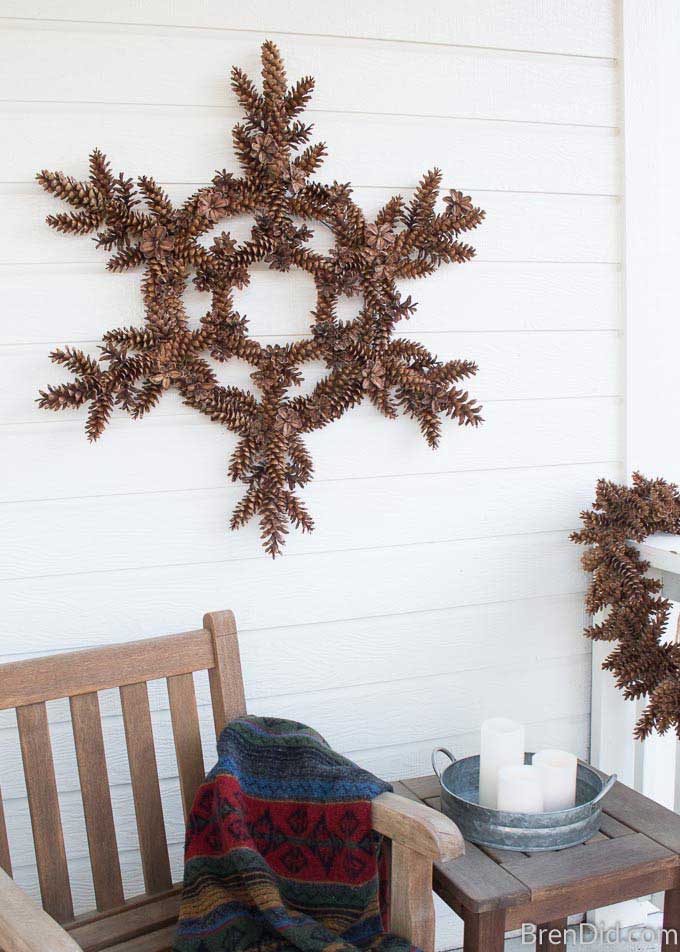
187, 734
94, 787
5, 858
145, 787
161, 941
43, 804
127, 923
95, 669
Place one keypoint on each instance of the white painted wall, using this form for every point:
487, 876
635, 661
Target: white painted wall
651, 72
650, 75
440, 587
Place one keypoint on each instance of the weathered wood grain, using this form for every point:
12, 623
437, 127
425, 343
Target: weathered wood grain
604, 862
226, 680
187, 736
96, 795
68, 674
417, 828
485, 885
612, 828
24, 926
160, 941
549, 938
5, 858
43, 802
644, 815
145, 789
485, 932
412, 913
138, 917
670, 940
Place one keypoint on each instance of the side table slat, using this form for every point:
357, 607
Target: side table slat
434, 802
484, 884
613, 828
644, 816
423, 787
606, 859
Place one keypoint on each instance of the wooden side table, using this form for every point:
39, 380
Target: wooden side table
636, 852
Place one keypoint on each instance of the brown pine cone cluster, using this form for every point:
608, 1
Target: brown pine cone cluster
644, 663
139, 226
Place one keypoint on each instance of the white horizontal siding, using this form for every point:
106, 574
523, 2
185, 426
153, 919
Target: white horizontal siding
490, 296
582, 27
439, 587
517, 366
521, 228
350, 513
302, 588
351, 75
170, 453
187, 143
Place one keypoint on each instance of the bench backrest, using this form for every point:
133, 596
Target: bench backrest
79, 676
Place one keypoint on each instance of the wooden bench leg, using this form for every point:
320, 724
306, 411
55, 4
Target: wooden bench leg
412, 903
671, 921
548, 936
484, 932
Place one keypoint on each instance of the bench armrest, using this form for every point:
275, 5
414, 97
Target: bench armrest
420, 837
416, 826
25, 927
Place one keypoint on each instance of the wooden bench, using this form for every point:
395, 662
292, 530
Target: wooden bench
419, 836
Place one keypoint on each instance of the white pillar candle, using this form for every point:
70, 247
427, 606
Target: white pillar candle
558, 778
502, 742
519, 789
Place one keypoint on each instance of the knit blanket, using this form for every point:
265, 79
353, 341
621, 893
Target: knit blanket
280, 854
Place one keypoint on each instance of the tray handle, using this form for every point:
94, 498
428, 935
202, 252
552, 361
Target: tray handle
605, 790
441, 750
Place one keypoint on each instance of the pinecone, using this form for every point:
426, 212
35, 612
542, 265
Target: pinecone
156, 242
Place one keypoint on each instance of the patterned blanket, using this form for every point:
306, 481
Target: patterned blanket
279, 853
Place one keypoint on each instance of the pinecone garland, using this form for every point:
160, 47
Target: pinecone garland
139, 226
642, 663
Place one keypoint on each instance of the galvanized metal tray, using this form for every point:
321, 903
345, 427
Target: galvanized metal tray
519, 831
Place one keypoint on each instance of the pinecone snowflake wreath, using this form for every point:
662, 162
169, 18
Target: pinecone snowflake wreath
140, 227
643, 664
